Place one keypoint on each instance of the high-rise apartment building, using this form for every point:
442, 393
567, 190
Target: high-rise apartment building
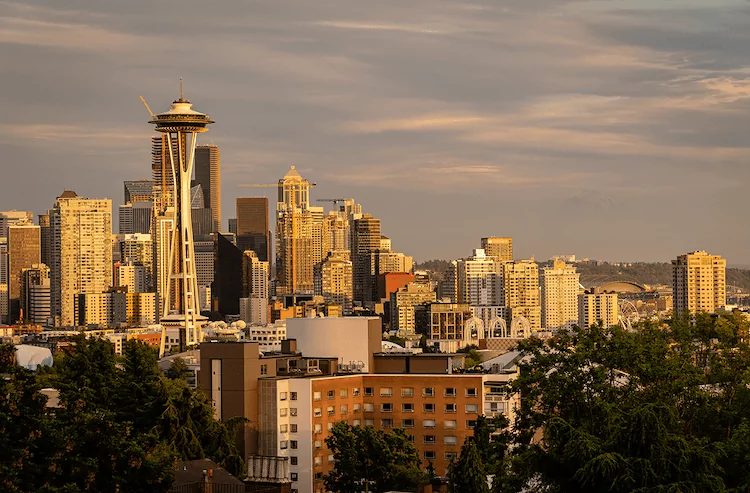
252, 226
44, 233
317, 218
406, 302
479, 280
208, 175
699, 282
81, 251
255, 276
596, 306
498, 248
333, 281
138, 249
35, 294
294, 235
521, 290
132, 277
336, 235
8, 218
382, 261
560, 285
24, 250
365, 239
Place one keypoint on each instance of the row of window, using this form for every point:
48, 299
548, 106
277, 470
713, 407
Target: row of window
386, 407
388, 392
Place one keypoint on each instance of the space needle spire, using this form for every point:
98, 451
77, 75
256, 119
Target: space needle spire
181, 125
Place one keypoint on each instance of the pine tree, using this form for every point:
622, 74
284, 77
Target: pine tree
468, 474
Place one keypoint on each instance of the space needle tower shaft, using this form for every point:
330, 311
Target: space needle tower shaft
181, 124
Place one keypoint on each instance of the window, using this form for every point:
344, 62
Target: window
407, 407
429, 408
293, 460
293, 476
471, 408
318, 477
355, 391
318, 444
428, 423
429, 439
471, 392
450, 408
293, 428
450, 424
411, 438
264, 369
369, 392
282, 396
386, 391
283, 428
369, 422
369, 407
386, 423
356, 422
470, 424
317, 412
450, 392
331, 394
386, 407
331, 410
331, 458
407, 423
283, 444
293, 396
316, 396
448, 440
430, 455
450, 456
293, 444
344, 409
283, 411
318, 461
356, 408
343, 393
292, 411
330, 426
428, 392
317, 428
407, 392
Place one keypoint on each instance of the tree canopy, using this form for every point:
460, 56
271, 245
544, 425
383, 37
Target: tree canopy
120, 425
664, 407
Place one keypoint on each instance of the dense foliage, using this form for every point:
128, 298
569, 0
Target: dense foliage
120, 426
372, 460
660, 408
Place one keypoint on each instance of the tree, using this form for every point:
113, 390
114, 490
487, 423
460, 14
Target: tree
372, 460
468, 474
178, 370
658, 408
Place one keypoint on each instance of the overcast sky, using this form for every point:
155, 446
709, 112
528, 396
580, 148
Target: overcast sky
609, 129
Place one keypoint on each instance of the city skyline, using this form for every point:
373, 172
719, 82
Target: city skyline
594, 150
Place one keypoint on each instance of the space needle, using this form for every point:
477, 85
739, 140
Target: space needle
181, 125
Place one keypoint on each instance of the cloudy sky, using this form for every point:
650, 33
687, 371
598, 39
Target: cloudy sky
610, 129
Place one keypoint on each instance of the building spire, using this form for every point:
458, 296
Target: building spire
181, 89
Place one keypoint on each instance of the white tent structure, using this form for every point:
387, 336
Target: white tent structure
31, 357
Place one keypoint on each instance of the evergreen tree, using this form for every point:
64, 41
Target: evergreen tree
468, 474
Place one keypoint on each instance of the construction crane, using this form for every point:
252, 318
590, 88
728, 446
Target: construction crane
266, 184
335, 201
146, 104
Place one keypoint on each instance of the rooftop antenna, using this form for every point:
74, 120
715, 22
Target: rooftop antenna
180, 88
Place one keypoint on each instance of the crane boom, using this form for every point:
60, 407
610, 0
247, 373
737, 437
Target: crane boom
266, 184
146, 104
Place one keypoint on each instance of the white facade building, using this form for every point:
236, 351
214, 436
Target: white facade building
560, 285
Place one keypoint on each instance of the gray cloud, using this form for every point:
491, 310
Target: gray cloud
609, 129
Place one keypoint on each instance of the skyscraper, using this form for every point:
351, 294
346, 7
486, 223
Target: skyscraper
252, 226
226, 290
521, 289
208, 176
138, 249
294, 235
699, 282
8, 218
255, 275
137, 191
81, 251
24, 250
480, 280
559, 296
45, 240
406, 302
498, 248
365, 239
35, 294
333, 281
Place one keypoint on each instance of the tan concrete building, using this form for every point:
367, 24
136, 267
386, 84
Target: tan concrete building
333, 281
81, 251
499, 248
699, 282
406, 301
521, 291
597, 306
560, 286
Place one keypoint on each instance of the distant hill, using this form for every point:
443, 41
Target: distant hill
596, 275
